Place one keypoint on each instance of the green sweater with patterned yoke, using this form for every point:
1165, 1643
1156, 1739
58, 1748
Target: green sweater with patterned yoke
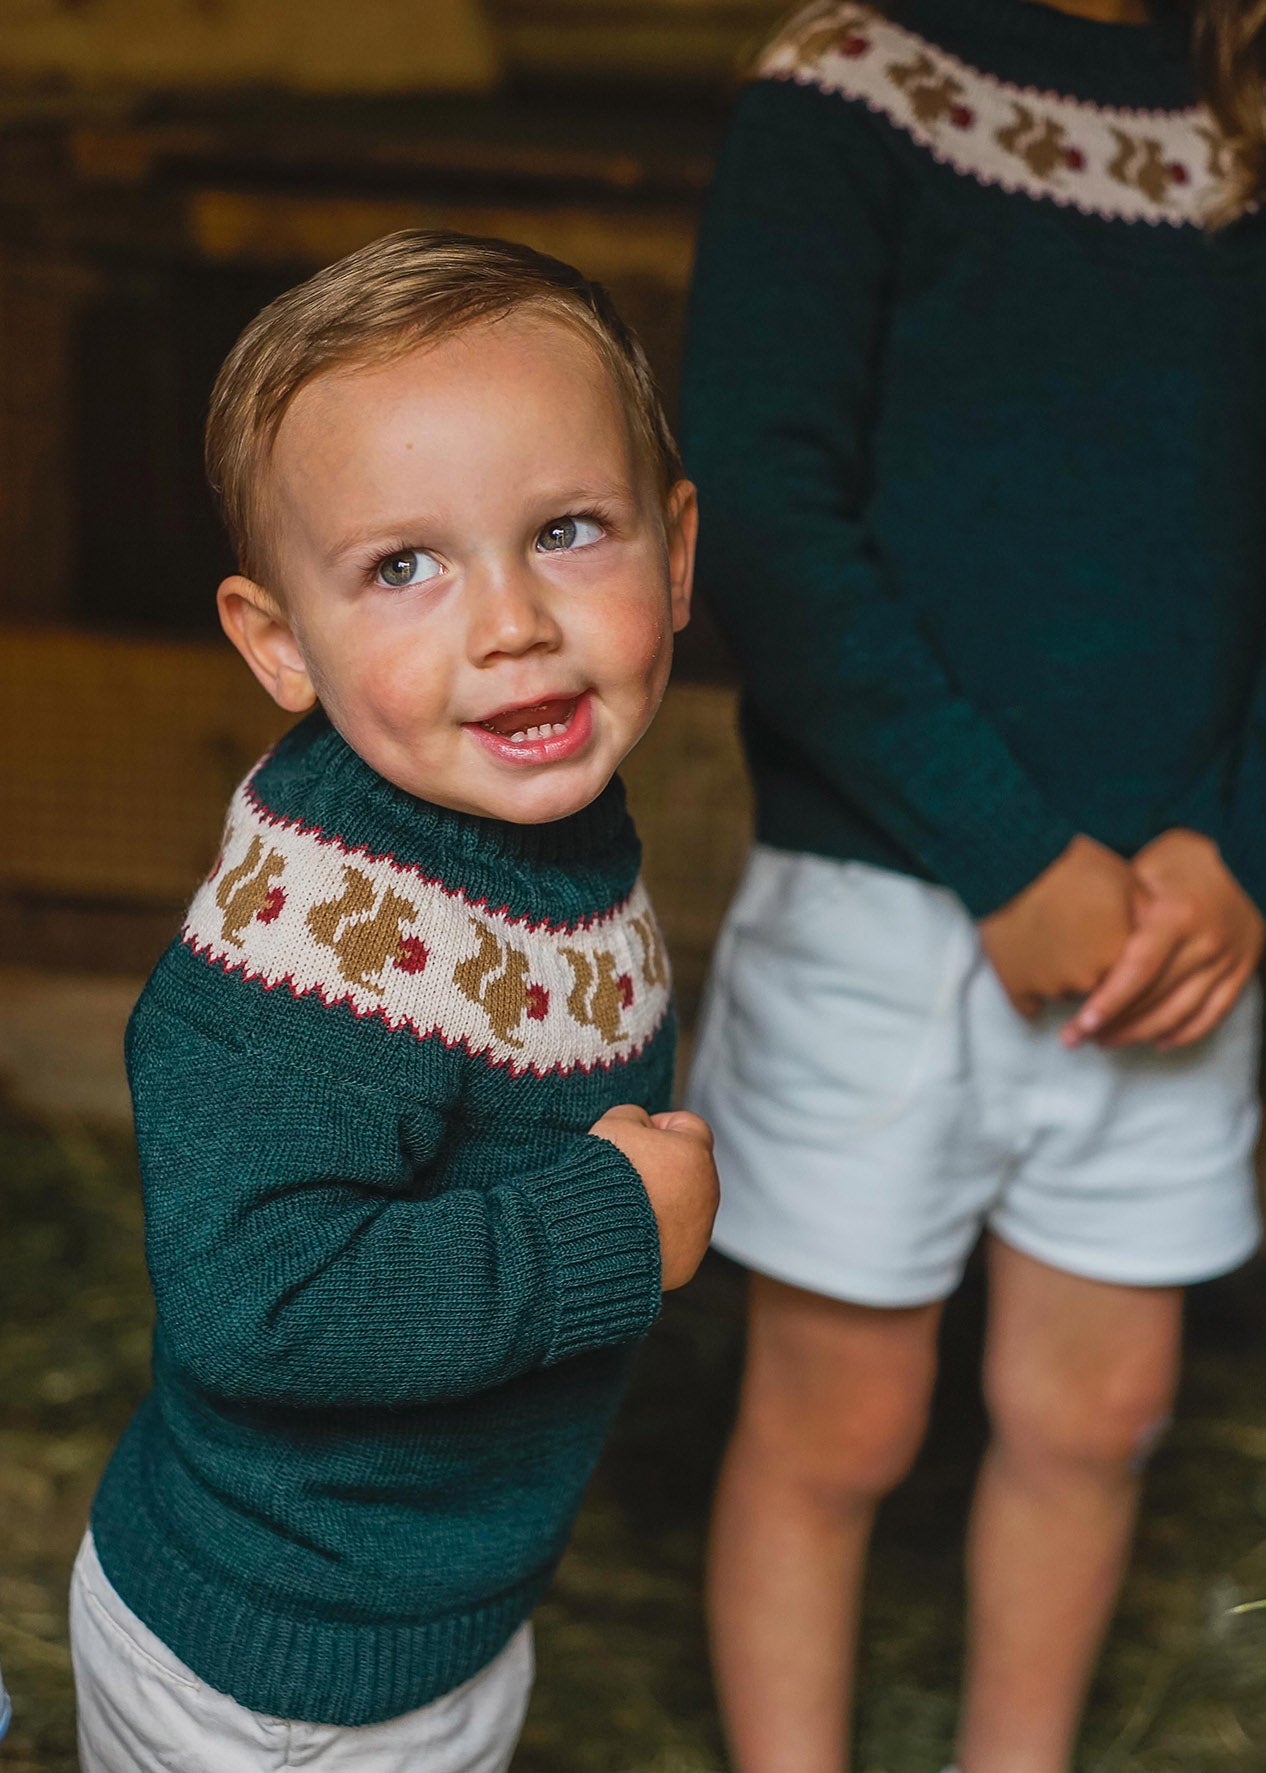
976, 405
397, 1281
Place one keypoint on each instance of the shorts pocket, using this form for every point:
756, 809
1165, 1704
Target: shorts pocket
105, 1612
833, 995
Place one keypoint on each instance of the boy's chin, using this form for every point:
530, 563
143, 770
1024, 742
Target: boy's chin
545, 801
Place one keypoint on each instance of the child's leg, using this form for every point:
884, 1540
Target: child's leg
833, 1409
1079, 1376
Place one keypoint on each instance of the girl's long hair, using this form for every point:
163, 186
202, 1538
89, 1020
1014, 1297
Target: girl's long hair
1229, 46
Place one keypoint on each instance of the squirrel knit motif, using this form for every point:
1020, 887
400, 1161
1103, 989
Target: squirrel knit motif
289, 905
1125, 165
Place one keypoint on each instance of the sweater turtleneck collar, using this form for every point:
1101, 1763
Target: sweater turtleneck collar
570, 868
1028, 43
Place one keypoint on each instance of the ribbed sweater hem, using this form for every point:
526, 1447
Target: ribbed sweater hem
319, 1671
993, 859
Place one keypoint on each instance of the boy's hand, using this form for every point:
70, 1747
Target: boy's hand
672, 1153
1197, 938
1061, 934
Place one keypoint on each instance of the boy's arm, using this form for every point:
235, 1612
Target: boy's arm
795, 262
299, 1257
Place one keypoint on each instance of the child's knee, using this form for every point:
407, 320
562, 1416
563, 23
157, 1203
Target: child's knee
841, 1458
1111, 1426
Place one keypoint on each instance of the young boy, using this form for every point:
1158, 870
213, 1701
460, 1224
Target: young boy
410, 1197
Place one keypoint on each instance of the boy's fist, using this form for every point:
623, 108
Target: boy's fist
672, 1153
1061, 934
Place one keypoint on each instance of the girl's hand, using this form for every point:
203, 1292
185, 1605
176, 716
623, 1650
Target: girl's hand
1196, 941
1063, 933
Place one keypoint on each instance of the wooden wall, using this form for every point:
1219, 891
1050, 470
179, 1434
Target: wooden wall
377, 45
306, 45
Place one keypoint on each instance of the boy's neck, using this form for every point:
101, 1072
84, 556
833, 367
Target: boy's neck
1106, 12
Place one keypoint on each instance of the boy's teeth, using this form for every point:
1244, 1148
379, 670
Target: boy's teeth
538, 732
540, 729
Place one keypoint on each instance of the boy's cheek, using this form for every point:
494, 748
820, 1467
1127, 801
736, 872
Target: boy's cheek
633, 635
382, 687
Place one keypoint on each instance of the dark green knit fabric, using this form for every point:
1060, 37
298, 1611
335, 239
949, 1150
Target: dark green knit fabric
981, 475
397, 1283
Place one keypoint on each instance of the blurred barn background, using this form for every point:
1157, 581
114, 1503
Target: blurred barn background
165, 167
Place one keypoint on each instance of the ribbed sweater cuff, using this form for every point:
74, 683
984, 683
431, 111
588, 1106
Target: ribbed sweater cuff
599, 1222
992, 856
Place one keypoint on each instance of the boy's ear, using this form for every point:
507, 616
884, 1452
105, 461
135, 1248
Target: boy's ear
682, 525
254, 622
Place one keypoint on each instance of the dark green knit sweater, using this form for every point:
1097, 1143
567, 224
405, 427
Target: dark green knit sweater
977, 410
397, 1282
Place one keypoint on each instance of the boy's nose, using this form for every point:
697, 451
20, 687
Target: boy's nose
510, 615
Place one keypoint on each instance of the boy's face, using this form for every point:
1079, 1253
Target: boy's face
476, 574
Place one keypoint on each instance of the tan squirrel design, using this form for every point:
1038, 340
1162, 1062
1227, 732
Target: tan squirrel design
654, 959
1139, 162
839, 36
365, 943
1041, 143
1219, 159
598, 994
245, 891
496, 978
933, 97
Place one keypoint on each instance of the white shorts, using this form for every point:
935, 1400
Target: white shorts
876, 1102
141, 1709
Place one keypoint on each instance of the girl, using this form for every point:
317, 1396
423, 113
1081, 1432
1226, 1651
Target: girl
974, 400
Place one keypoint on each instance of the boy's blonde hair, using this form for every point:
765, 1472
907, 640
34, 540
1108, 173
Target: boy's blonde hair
407, 289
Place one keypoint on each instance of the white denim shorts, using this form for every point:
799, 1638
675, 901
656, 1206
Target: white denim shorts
141, 1709
877, 1102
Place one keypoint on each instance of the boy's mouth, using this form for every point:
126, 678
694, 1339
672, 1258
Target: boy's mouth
536, 721
550, 731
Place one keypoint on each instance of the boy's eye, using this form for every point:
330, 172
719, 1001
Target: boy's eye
409, 567
568, 532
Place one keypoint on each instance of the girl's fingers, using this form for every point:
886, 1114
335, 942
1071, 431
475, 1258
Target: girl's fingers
1160, 1018
1141, 961
1182, 965
1219, 1003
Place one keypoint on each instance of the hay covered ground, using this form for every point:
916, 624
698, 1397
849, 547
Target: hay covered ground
623, 1683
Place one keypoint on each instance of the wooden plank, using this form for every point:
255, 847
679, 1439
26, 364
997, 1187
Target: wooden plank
272, 228
374, 45
116, 760
40, 304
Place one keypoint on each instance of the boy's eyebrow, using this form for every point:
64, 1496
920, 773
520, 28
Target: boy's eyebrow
617, 493
385, 535
558, 500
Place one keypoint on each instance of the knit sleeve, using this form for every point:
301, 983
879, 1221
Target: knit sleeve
304, 1249
797, 263
1226, 800
1229, 802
